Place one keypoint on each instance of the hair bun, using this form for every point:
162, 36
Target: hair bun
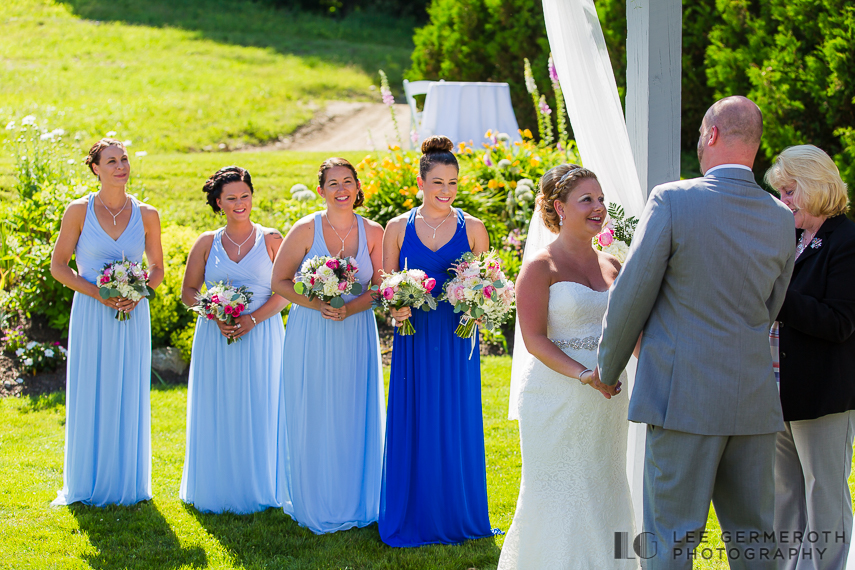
437, 143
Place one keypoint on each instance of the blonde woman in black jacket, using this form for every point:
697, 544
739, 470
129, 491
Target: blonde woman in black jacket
816, 329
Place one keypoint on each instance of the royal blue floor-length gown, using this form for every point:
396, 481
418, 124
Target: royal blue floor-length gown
230, 458
108, 416
332, 413
434, 476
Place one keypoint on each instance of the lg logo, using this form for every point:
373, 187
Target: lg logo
644, 546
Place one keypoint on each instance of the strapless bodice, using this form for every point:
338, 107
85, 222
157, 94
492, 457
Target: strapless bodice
575, 312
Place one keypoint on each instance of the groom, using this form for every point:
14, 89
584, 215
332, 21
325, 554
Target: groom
706, 275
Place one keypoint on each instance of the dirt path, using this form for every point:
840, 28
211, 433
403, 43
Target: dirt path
345, 125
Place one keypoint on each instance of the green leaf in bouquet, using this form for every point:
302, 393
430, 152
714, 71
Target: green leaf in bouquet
104, 293
498, 284
426, 307
235, 297
337, 302
477, 312
460, 307
356, 289
115, 293
477, 287
150, 293
300, 288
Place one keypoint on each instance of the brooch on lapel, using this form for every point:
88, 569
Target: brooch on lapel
816, 243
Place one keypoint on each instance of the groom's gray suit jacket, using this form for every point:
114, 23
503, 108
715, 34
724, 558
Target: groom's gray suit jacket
705, 277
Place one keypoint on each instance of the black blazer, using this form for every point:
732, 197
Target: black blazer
817, 326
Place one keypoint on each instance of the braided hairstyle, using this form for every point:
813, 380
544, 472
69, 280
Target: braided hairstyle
213, 187
94, 156
556, 184
332, 163
436, 150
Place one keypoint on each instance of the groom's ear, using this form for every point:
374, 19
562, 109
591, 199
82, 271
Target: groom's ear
714, 135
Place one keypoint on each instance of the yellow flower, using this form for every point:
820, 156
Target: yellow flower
488, 134
535, 161
527, 134
394, 147
516, 163
468, 150
493, 184
408, 203
477, 188
512, 183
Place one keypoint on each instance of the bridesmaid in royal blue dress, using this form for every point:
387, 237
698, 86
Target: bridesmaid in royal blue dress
332, 412
230, 457
108, 429
434, 476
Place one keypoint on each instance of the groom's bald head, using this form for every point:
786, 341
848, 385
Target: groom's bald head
730, 133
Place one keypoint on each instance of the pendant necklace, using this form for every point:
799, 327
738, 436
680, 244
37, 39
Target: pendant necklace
440, 224
108, 209
240, 245
352, 223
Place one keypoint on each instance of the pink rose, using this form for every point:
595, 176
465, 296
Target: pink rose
312, 281
210, 317
104, 279
429, 284
488, 291
332, 263
388, 293
342, 286
240, 308
215, 299
605, 239
228, 310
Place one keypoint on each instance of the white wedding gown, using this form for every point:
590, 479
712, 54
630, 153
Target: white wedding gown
574, 494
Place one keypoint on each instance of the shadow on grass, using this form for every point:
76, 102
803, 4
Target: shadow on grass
271, 539
368, 40
133, 537
43, 402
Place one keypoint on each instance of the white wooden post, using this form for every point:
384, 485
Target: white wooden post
653, 54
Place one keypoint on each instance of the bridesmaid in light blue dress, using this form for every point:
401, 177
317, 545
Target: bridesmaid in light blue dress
332, 412
230, 457
108, 429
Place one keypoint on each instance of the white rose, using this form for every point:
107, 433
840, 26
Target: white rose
48, 353
31, 344
28, 362
19, 352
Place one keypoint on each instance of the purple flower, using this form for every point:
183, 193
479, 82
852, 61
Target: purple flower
388, 98
553, 73
414, 136
487, 160
544, 108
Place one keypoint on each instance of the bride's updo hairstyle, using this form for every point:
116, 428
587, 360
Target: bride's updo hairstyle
214, 185
556, 184
332, 163
436, 150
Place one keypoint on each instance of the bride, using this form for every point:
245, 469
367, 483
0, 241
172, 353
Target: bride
574, 493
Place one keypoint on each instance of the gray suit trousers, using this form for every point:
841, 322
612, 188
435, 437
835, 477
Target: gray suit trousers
812, 465
683, 472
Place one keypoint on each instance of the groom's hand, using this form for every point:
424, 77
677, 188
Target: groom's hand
606, 390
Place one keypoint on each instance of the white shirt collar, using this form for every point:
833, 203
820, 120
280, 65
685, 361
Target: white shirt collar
720, 166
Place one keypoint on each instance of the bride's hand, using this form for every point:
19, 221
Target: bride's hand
592, 379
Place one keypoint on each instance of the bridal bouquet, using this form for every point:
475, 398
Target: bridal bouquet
223, 302
481, 291
328, 278
617, 235
407, 288
127, 279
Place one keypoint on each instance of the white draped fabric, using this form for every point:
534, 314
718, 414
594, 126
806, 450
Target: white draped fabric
595, 113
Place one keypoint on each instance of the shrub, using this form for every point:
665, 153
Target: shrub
169, 317
794, 59
33, 357
47, 178
484, 40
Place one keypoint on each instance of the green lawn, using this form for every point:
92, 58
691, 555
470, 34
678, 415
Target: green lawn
166, 534
188, 75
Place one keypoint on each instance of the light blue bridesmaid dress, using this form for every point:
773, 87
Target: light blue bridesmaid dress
108, 417
332, 413
230, 458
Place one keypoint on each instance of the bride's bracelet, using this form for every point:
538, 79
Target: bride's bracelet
583, 373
